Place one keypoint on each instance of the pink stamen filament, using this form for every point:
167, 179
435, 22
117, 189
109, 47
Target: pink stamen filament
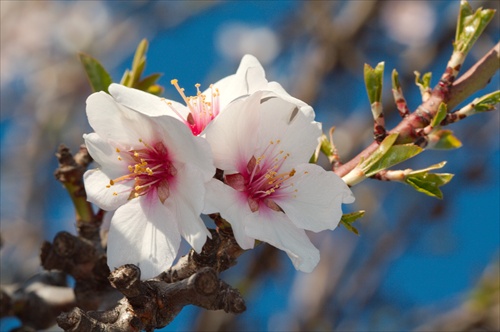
201, 112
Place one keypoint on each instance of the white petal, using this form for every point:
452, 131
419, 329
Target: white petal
114, 122
186, 202
297, 133
232, 207
146, 103
316, 204
275, 228
185, 148
232, 135
249, 78
105, 155
278, 90
108, 199
143, 233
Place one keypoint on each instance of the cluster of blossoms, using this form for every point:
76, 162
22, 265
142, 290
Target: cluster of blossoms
157, 159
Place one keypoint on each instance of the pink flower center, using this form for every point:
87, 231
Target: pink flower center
201, 111
151, 170
262, 180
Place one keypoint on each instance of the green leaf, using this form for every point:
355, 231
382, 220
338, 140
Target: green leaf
470, 26
395, 155
428, 183
373, 81
388, 155
379, 153
156, 90
126, 78
396, 85
443, 140
463, 13
98, 77
440, 115
349, 218
148, 81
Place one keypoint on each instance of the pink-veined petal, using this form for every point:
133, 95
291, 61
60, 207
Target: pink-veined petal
101, 194
232, 135
186, 203
314, 202
276, 229
143, 233
184, 147
232, 207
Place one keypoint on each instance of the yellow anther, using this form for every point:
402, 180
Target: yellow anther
111, 182
119, 158
108, 186
117, 150
174, 81
115, 194
292, 173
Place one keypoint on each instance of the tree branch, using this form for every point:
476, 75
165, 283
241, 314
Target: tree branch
474, 79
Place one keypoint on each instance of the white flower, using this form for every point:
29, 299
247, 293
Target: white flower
153, 173
271, 193
201, 109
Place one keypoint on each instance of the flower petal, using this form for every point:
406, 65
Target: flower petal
278, 90
99, 192
232, 135
276, 229
314, 202
249, 78
232, 207
105, 155
114, 122
143, 233
185, 148
297, 133
186, 202
146, 103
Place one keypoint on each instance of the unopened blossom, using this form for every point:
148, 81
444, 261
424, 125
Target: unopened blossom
270, 191
152, 171
199, 110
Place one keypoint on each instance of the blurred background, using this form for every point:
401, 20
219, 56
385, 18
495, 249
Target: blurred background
419, 262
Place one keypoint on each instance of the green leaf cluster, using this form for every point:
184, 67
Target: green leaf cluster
132, 77
100, 79
388, 155
428, 183
470, 25
486, 103
423, 82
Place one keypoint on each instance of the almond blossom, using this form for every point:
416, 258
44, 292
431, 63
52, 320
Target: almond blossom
152, 171
270, 191
201, 109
